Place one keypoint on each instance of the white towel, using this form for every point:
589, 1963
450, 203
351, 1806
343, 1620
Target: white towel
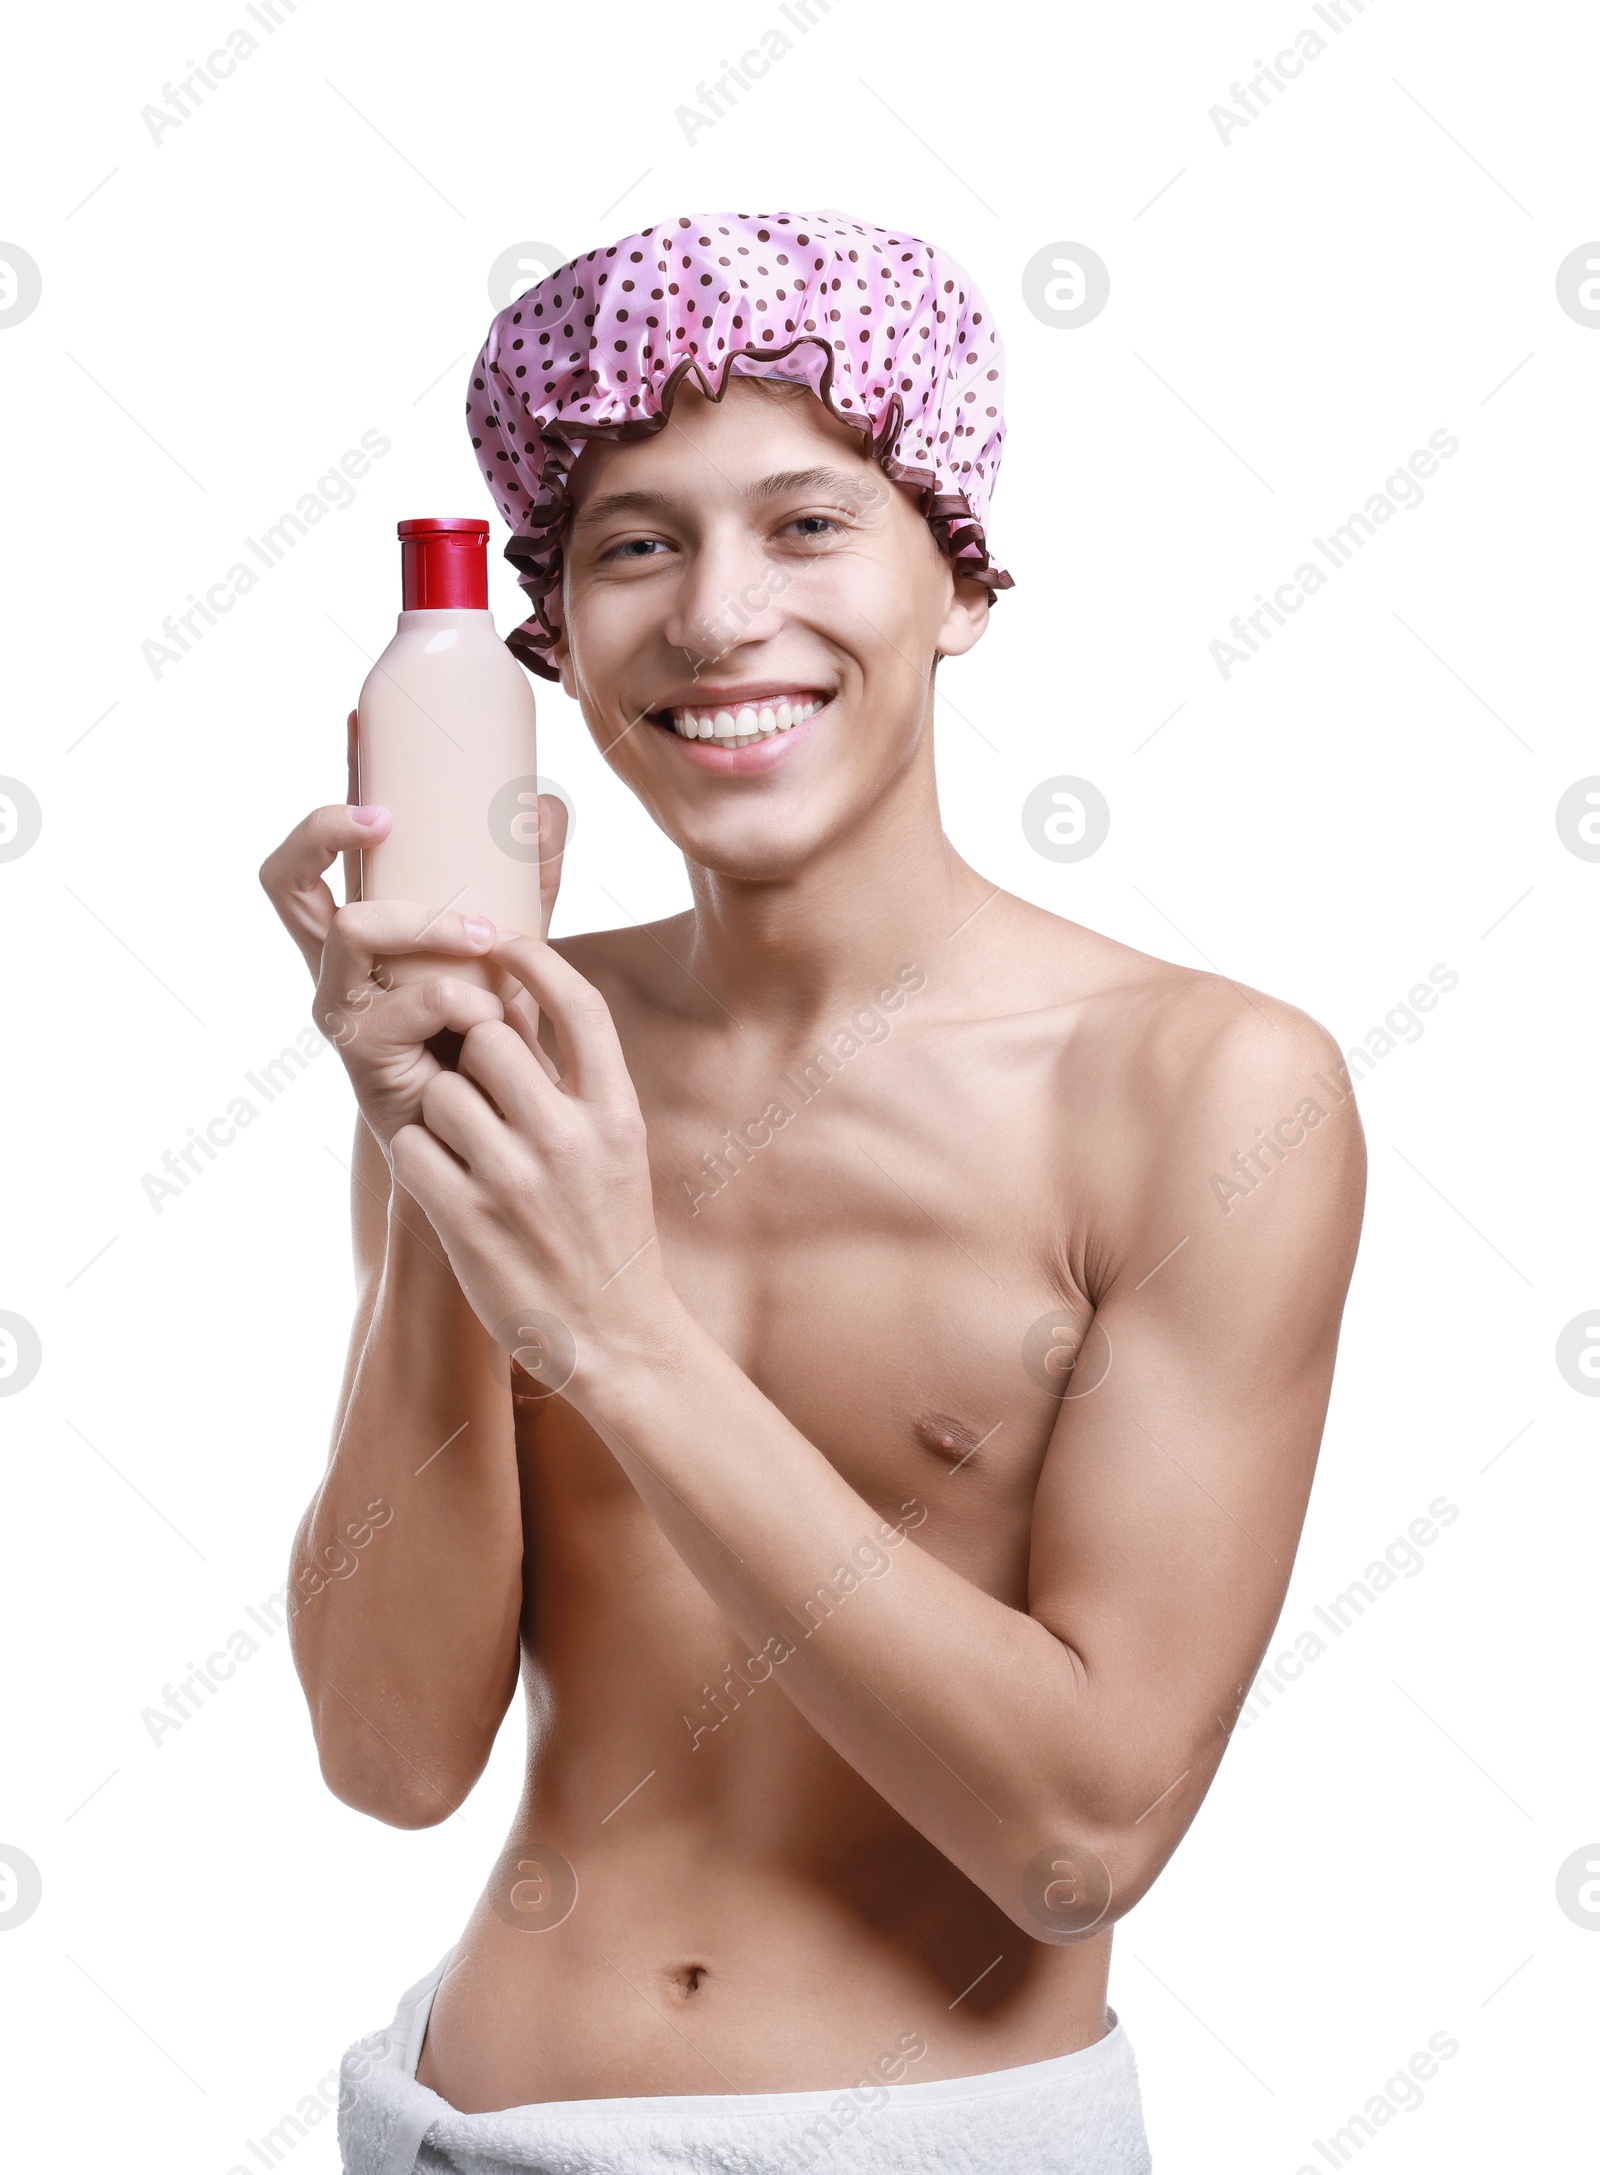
1077, 2115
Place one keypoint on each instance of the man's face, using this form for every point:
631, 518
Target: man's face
749, 563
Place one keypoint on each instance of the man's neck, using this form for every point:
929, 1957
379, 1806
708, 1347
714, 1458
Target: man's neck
792, 952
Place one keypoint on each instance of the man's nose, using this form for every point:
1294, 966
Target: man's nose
728, 595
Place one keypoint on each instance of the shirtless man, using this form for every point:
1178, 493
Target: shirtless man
911, 1436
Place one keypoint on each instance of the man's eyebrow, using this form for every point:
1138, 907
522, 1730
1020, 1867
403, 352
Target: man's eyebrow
622, 502
780, 485
803, 479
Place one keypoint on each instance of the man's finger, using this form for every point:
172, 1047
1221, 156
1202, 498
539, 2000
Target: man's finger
523, 1014
585, 1032
292, 873
425, 1169
376, 928
410, 1015
496, 1056
455, 1112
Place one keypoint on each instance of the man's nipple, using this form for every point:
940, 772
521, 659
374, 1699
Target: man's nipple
947, 1438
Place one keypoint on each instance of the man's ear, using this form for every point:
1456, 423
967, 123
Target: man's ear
966, 618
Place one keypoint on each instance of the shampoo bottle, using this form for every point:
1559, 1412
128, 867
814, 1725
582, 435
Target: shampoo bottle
445, 741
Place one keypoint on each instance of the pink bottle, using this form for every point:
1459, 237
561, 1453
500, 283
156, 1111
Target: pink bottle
445, 741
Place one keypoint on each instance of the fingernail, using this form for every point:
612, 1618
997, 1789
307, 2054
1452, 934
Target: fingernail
480, 931
369, 814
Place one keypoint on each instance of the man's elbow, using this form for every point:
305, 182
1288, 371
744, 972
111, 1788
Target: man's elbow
394, 1795
1077, 1883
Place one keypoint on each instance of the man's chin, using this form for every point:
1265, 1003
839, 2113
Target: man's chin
747, 847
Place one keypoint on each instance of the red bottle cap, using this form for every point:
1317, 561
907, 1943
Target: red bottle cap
444, 566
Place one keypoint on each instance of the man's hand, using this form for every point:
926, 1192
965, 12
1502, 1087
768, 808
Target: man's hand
537, 1180
380, 1033
383, 1033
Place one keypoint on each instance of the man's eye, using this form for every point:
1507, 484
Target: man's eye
637, 547
812, 526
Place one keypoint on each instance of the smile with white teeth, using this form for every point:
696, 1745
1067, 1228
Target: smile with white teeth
744, 725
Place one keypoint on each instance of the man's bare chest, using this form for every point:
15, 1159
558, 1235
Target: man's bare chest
892, 1273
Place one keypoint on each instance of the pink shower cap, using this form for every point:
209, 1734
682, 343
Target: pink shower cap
887, 331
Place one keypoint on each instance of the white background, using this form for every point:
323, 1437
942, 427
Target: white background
305, 259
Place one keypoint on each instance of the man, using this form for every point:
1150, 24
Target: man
923, 1309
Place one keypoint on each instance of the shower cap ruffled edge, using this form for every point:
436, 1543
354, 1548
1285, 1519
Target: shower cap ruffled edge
535, 549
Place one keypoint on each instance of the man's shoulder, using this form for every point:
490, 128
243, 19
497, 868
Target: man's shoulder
1173, 1042
1188, 1088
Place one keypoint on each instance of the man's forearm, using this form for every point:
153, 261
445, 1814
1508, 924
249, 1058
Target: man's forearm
969, 1717
406, 1577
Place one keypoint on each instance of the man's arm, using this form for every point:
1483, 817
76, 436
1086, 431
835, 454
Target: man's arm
405, 1579
1172, 1498
406, 1574
1167, 1513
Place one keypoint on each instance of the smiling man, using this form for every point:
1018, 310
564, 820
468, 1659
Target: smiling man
900, 1460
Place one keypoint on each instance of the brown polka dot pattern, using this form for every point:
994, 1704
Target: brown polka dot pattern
886, 330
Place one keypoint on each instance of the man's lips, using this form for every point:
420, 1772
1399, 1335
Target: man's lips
743, 758
734, 695
738, 714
